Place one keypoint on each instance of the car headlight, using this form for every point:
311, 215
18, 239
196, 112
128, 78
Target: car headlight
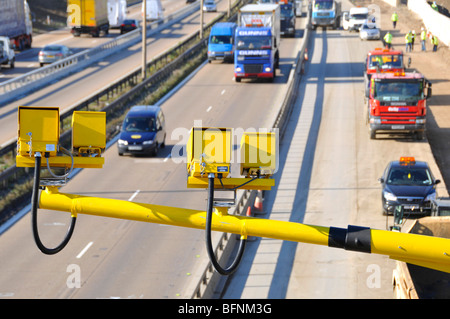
147, 142
122, 142
389, 196
430, 197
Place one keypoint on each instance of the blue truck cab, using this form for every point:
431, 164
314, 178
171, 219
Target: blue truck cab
256, 53
221, 42
325, 13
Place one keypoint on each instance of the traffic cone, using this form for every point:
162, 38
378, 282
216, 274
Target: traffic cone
249, 211
258, 205
306, 54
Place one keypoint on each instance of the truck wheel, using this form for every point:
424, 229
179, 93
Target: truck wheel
11, 63
373, 134
237, 79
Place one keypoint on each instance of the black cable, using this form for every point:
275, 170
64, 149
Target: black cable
232, 268
34, 207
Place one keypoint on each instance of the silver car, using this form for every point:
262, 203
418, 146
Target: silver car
369, 31
209, 6
53, 52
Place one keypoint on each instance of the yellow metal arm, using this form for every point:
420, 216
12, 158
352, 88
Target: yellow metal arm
427, 251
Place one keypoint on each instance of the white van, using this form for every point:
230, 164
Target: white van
354, 19
154, 10
117, 12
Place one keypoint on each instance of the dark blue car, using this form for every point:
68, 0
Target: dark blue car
408, 183
143, 131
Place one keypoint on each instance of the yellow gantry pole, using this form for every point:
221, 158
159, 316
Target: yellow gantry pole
427, 251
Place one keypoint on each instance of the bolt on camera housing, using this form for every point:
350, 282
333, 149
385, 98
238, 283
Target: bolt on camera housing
209, 151
39, 133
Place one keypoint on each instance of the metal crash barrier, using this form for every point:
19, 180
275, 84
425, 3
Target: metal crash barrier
208, 166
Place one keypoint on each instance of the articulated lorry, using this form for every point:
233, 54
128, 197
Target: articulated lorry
325, 13
257, 42
397, 103
15, 23
88, 16
416, 282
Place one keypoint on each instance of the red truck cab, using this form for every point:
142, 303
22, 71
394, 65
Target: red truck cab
397, 103
382, 61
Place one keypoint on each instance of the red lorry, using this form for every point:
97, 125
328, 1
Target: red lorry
397, 103
382, 61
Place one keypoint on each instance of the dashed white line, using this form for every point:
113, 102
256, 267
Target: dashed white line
84, 250
223, 92
208, 109
134, 195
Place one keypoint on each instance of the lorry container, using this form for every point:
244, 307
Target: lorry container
325, 13
154, 10
257, 42
382, 61
416, 282
298, 8
16, 23
88, 16
221, 42
117, 13
397, 103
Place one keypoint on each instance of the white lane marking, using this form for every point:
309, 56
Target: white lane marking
223, 92
84, 250
134, 195
208, 109
167, 158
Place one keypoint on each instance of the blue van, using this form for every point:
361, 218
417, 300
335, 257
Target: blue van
221, 42
143, 131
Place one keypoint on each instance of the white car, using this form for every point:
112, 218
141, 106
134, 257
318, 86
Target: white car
369, 31
209, 6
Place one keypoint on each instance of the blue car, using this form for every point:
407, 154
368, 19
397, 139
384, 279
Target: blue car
408, 183
143, 131
221, 42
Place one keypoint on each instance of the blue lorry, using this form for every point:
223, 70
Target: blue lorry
257, 42
325, 13
221, 42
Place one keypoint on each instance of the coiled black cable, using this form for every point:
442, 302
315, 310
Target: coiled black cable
34, 208
232, 268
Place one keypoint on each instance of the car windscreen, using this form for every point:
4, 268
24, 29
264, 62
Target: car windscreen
386, 61
323, 5
392, 90
286, 11
139, 124
253, 42
221, 39
359, 16
52, 48
409, 176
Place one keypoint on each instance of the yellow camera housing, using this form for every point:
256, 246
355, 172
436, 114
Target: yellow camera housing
209, 151
258, 154
88, 133
38, 130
